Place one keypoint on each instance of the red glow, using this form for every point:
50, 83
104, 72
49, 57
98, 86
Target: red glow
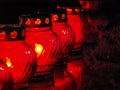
86, 4
69, 11
63, 79
31, 22
6, 80
75, 67
66, 35
38, 21
89, 20
8, 62
76, 23
20, 59
54, 17
2, 35
38, 49
77, 10
13, 34
47, 21
46, 44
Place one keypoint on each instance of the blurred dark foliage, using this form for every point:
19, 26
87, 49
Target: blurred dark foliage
103, 60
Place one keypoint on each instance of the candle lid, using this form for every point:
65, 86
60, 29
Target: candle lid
59, 15
11, 32
36, 20
73, 10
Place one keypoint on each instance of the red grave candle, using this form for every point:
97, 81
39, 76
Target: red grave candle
43, 40
18, 56
45, 43
63, 79
75, 21
64, 30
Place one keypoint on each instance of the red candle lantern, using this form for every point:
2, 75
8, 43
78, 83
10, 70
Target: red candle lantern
46, 44
63, 79
75, 21
6, 80
64, 30
18, 56
78, 23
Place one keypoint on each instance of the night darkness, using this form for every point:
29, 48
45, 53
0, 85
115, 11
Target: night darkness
10, 10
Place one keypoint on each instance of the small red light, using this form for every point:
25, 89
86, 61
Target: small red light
77, 10
2, 35
54, 18
69, 11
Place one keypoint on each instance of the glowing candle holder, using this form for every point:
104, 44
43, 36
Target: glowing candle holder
6, 80
64, 30
75, 21
18, 56
46, 44
63, 79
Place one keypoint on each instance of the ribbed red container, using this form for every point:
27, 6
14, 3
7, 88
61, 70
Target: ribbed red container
18, 56
75, 21
42, 39
63, 29
63, 79
46, 44
6, 80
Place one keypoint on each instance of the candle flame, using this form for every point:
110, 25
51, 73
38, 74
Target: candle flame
38, 49
8, 62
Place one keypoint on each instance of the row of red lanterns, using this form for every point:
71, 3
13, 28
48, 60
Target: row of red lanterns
31, 53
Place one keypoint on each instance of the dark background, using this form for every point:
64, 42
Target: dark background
10, 10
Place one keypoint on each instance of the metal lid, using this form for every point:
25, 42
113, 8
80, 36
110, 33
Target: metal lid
36, 20
73, 10
11, 32
59, 15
